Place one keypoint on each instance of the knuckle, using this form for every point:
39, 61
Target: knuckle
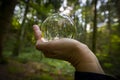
84, 45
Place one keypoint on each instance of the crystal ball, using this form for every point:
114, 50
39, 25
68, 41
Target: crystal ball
58, 26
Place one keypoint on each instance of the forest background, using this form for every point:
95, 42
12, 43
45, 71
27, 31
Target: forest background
98, 26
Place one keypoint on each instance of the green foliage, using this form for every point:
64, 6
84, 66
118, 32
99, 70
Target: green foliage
108, 35
109, 58
15, 23
108, 65
14, 70
46, 77
53, 65
28, 54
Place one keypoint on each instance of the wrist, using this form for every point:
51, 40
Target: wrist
85, 62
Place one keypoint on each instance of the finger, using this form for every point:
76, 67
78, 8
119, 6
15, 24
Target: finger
42, 46
37, 32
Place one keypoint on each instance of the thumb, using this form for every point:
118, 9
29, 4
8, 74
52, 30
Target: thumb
37, 32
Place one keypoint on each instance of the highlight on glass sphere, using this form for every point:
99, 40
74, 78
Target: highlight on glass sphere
58, 26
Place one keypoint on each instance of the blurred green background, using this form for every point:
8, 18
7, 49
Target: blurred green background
98, 26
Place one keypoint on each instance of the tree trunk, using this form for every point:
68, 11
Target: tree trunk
94, 37
6, 13
118, 11
86, 21
109, 28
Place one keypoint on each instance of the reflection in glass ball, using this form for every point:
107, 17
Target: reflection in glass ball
58, 26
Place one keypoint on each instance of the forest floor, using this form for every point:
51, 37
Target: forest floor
15, 70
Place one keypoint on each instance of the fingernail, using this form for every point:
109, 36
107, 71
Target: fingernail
35, 27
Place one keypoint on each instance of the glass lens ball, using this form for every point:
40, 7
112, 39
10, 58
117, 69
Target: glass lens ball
58, 26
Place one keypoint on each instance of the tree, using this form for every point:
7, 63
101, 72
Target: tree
109, 26
6, 13
20, 36
117, 5
94, 37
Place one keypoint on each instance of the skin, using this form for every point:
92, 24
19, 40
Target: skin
73, 51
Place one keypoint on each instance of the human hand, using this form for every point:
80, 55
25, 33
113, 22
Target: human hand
77, 53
